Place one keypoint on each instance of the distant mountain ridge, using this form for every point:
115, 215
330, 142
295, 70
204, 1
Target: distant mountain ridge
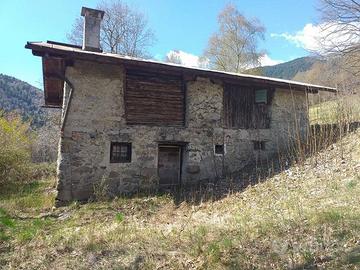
19, 96
289, 69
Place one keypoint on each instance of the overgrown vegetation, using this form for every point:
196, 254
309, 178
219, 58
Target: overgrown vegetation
344, 110
20, 98
15, 149
17, 139
304, 217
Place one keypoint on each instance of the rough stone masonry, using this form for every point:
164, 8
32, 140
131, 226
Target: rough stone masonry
96, 117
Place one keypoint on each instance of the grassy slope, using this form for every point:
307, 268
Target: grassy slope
304, 217
329, 111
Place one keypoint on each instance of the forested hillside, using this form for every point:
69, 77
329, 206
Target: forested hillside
289, 69
16, 95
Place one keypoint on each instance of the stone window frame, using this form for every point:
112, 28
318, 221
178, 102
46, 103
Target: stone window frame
259, 145
116, 157
223, 152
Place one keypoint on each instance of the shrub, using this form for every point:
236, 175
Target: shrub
101, 190
43, 170
15, 148
45, 146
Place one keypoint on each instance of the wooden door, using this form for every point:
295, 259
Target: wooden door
169, 166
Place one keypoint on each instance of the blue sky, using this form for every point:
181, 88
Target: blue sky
179, 25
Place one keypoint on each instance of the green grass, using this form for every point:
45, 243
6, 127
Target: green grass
20, 204
33, 197
305, 218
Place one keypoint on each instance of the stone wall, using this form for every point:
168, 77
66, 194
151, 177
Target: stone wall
96, 118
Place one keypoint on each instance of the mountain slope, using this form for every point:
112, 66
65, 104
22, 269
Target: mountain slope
289, 69
16, 95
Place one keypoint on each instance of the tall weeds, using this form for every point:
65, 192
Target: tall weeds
15, 148
329, 122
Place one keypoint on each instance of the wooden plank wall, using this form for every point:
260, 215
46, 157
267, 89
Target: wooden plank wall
53, 70
241, 111
154, 98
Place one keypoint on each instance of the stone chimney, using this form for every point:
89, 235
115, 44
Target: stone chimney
91, 35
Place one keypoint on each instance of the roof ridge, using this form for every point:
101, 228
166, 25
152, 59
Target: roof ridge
58, 46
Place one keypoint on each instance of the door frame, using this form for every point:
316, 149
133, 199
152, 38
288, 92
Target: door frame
181, 147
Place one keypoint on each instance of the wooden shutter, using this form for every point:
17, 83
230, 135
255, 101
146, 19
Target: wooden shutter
241, 110
154, 99
238, 106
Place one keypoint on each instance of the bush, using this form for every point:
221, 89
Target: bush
43, 170
45, 146
15, 148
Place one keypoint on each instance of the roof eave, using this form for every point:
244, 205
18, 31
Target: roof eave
40, 50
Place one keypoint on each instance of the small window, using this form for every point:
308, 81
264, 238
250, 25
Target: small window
120, 152
259, 145
261, 96
219, 149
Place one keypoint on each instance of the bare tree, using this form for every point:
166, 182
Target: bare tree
186, 59
341, 31
173, 57
234, 46
45, 146
123, 30
75, 36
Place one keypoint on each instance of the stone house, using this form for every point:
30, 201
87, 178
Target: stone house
142, 124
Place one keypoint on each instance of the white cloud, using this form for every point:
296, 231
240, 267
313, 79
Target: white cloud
267, 61
191, 60
306, 38
317, 37
186, 59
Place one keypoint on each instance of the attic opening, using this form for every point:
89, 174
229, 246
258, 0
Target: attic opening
54, 75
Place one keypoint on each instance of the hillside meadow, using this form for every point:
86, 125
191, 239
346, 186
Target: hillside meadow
305, 217
344, 109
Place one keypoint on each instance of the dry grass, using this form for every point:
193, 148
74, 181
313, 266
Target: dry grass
305, 217
342, 109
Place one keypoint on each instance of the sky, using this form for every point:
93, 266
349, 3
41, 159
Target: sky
181, 25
